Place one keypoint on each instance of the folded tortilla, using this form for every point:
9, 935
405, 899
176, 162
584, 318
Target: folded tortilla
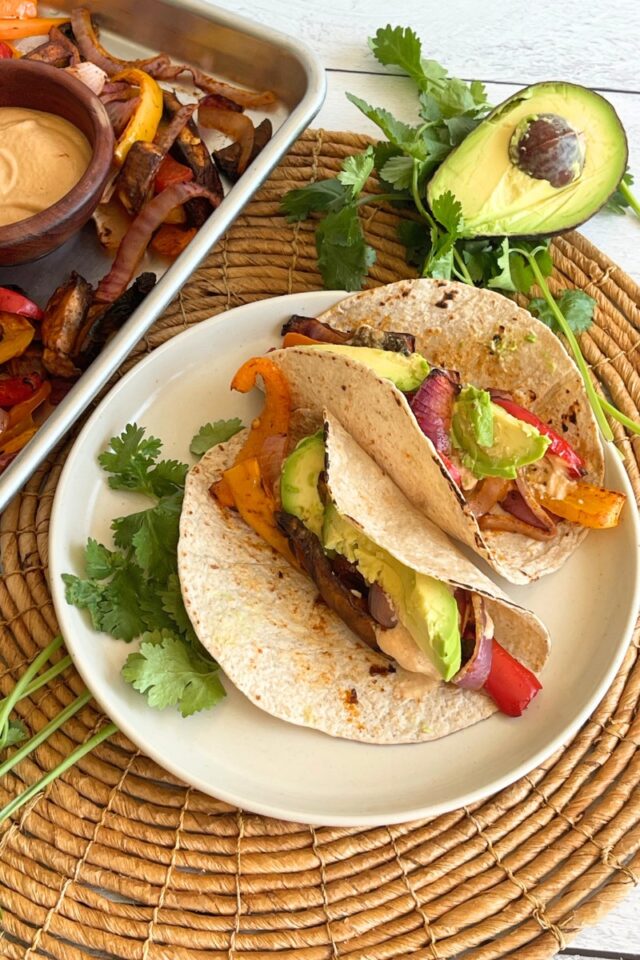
491, 342
291, 655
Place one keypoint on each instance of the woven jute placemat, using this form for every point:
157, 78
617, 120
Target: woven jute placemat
119, 857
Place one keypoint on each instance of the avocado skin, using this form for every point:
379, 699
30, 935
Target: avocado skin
444, 178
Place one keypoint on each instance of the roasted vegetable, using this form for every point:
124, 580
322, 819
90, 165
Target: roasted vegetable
16, 333
144, 122
135, 183
228, 158
63, 318
102, 323
587, 505
189, 148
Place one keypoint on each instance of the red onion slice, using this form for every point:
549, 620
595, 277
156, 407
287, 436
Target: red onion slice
91, 48
522, 504
432, 406
270, 458
135, 241
473, 675
489, 491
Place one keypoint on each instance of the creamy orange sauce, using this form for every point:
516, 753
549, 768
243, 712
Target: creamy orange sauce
42, 157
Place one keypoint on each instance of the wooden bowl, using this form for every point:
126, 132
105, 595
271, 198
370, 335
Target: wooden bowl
24, 83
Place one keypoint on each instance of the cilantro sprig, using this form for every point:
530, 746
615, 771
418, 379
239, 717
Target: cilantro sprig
436, 241
133, 590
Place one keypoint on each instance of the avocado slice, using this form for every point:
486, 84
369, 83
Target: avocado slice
543, 161
425, 606
299, 482
406, 372
492, 442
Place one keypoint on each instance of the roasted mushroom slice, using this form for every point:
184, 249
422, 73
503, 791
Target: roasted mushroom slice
309, 552
227, 159
102, 323
136, 178
189, 149
63, 317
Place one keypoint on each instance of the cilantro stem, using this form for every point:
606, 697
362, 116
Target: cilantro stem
629, 197
466, 276
45, 677
69, 711
108, 730
417, 199
21, 686
620, 416
594, 399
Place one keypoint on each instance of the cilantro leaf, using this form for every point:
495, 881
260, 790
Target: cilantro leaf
100, 562
173, 604
439, 263
169, 673
129, 458
617, 202
503, 280
15, 732
399, 133
87, 595
415, 236
167, 477
398, 171
121, 614
399, 47
356, 170
448, 211
576, 305
343, 255
317, 197
152, 535
211, 434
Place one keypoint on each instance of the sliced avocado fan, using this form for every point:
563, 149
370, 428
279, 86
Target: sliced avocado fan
543, 161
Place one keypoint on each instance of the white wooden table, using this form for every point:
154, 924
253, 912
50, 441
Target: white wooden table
507, 45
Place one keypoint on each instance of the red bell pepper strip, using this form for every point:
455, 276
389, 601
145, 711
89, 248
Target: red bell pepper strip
169, 172
453, 470
558, 445
510, 685
17, 389
12, 302
6, 53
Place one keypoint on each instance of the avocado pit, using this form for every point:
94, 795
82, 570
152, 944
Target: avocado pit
546, 147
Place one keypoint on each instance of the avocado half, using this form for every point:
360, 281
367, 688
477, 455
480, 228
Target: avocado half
542, 162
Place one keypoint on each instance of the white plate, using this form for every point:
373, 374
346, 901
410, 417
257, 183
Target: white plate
242, 755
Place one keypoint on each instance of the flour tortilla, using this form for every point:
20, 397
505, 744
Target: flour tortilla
491, 342
291, 655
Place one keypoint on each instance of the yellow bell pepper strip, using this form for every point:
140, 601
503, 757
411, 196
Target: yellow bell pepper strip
587, 505
273, 419
255, 505
11, 29
144, 122
16, 333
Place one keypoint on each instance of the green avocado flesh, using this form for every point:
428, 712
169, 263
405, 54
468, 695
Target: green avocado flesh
407, 373
299, 482
499, 198
492, 443
424, 606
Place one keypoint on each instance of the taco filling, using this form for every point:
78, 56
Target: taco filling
515, 472
439, 629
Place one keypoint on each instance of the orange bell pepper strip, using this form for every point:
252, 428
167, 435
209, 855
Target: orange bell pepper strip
273, 419
255, 505
587, 505
16, 444
17, 333
11, 29
297, 340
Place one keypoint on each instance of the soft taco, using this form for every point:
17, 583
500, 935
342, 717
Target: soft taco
365, 621
472, 406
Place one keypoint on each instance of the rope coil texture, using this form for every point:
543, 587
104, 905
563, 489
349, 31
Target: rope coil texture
119, 859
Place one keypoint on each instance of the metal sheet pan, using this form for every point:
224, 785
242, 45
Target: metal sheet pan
233, 49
